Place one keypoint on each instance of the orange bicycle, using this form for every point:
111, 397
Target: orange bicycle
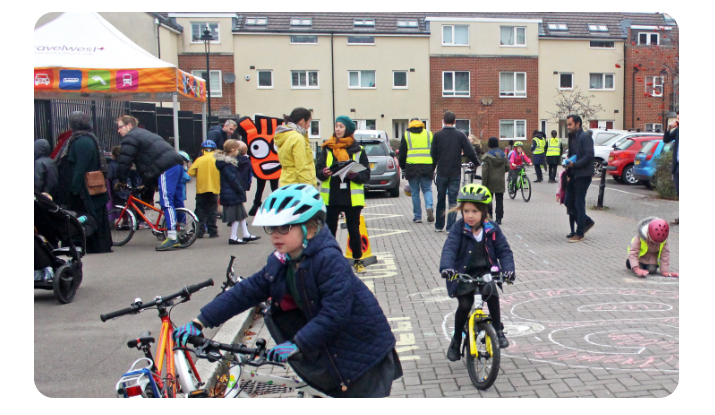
123, 221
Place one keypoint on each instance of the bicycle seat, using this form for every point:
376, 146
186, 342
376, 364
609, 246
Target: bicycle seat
143, 339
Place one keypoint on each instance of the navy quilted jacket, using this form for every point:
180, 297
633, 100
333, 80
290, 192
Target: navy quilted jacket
458, 247
345, 320
232, 190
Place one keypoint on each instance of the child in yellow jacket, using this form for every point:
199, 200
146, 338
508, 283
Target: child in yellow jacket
208, 187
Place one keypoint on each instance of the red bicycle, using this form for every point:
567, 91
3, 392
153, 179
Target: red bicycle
123, 221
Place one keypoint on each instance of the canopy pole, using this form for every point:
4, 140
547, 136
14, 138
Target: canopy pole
203, 121
175, 98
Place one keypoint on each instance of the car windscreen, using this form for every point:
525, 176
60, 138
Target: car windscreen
624, 145
374, 149
367, 135
648, 147
603, 138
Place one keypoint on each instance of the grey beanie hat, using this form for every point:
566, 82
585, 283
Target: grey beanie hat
80, 121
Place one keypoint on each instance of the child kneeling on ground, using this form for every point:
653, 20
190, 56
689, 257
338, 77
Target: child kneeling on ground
474, 245
326, 322
649, 250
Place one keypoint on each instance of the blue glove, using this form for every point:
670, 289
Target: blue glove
181, 334
509, 276
449, 274
282, 352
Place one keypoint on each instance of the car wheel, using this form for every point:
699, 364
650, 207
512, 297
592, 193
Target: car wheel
395, 191
628, 175
597, 168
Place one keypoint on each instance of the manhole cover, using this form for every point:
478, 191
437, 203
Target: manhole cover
260, 388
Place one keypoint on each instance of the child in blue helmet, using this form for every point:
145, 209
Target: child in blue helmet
328, 325
185, 178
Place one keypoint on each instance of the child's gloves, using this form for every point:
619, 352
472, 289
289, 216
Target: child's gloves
282, 352
181, 334
640, 272
509, 276
671, 275
351, 175
449, 274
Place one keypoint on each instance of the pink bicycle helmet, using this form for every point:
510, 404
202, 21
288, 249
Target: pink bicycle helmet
658, 230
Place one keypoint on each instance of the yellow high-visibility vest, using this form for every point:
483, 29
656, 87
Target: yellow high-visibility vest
357, 190
540, 145
644, 249
554, 147
418, 147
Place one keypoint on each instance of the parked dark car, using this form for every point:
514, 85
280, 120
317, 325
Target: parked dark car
384, 170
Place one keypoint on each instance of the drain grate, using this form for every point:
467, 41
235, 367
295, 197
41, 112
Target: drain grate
254, 388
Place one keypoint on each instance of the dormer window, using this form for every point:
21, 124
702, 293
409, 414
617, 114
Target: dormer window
598, 28
407, 23
364, 23
256, 21
298, 21
558, 26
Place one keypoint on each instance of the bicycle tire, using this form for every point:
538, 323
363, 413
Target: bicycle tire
186, 232
526, 188
122, 233
483, 369
65, 284
511, 188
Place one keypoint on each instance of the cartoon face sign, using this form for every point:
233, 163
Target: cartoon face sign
261, 148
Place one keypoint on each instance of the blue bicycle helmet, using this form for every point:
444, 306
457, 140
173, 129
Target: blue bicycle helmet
208, 144
185, 155
291, 204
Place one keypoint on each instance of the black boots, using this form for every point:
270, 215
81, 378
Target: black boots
453, 353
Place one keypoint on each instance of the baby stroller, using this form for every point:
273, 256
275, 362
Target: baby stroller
58, 233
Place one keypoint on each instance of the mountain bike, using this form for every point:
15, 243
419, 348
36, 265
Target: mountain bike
173, 372
123, 222
481, 345
469, 174
521, 182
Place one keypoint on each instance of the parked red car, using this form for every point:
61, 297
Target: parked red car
622, 158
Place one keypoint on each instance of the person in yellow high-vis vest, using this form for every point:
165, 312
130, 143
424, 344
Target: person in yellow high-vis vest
344, 196
649, 250
416, 162
538, 149
554, 149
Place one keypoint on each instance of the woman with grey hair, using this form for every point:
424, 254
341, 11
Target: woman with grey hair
81, 154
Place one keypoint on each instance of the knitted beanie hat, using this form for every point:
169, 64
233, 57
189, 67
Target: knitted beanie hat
493, 142
348, 123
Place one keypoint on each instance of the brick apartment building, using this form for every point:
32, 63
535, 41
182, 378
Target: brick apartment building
223, 94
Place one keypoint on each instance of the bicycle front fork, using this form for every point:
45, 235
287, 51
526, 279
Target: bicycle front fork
478, 316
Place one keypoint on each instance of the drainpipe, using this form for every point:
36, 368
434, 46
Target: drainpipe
158, 45
332, 68
633, 101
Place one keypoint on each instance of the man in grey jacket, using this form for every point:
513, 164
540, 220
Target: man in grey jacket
580, 174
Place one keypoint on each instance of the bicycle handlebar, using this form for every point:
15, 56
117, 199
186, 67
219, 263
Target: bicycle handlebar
484, 279
137, 307
205, 345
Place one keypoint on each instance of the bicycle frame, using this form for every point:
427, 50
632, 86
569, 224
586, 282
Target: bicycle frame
478, 315
131, 203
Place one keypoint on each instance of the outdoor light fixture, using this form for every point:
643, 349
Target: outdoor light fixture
207, 38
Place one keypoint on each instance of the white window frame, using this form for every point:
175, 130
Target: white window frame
558, 26
407, 80
301, 21
515, 45
256, 21
514, 85
653, 127
303, 43
307, 77
613, 44
469, 125
258, 79
651, 89
359, 72
452, 26
364, 23
217, 41
214, 94
454, 84
310, 130
604, 81
514, 125
361, 44
596, 27
544, 126
408, 23
562, 88
648, 38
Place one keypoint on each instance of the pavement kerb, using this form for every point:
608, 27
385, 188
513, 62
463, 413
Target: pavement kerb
230, 332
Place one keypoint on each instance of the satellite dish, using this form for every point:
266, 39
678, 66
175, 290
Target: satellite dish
229, 78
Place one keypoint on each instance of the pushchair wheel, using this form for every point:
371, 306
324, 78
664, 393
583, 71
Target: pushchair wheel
65, 284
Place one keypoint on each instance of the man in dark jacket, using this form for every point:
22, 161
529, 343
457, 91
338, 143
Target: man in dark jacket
447, 149
45, 169
154, 158
494, 166
418, 167
580, 174
219, 134
673, 134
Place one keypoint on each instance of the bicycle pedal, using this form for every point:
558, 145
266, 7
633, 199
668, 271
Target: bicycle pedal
201, 393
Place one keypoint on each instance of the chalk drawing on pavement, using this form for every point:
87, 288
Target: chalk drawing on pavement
402, 329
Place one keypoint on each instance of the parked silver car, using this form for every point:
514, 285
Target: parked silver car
384, 170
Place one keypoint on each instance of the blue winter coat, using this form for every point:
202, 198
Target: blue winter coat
245, 171
345, 321
232, 190
458, 248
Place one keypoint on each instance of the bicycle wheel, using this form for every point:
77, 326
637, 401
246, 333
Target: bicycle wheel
186, 230
65, 284
526, 189
123, 226
511, 187
185, 375
484, 367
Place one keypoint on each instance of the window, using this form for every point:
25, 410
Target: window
648, 39
512, 84
297, 21
361, 79
455, 35
513, 36
512, 129
314, 131
361, 40
407, 23
370, 125
601, 81
256, 21
364, 23
603, 44
399, 79
265, 79
654, 127
654, 86
558, 26
197, 30
455, 84
463, 126
304, 79
565, 81
215, 81
304, 39
598, 28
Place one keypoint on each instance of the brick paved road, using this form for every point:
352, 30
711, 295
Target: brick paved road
579, 323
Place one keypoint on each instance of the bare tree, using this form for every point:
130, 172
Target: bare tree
576, 103
482, 122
